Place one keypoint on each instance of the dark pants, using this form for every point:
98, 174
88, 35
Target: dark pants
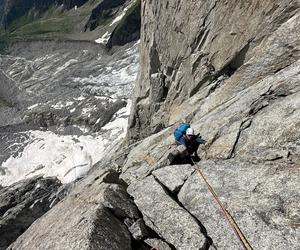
192, 148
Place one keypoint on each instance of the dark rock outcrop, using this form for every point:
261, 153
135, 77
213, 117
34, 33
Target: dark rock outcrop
91, 217
24, 202
179, 228
103, 11
10, 94
128, 29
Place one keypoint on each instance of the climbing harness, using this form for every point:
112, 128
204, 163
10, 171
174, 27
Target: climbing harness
228, 216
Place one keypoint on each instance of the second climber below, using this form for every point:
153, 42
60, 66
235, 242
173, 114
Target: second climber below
185, 135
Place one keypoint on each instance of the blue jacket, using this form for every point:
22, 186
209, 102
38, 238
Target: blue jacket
180, 138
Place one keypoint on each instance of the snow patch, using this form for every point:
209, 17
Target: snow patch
120, 120
61, 105
33, 106
119, 18
66, 65
118, 75
104, 39
80, 98
66, 157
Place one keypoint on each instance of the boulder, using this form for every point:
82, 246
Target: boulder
173, 177
138, 230
165, 216
22, 203
148, 155
84, 220
118, 201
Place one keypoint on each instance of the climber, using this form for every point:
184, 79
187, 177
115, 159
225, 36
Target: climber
185, 135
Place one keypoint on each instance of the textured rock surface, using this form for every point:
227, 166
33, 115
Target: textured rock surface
22, 203
173, 177
231, 69
156, 243
84, 220
184, 57
262, 199
145, 156
163, 215
138, 230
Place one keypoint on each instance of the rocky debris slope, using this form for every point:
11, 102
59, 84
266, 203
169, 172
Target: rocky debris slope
22, 203
70, 101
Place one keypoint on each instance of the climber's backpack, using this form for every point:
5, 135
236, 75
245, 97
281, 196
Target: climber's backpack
180, 131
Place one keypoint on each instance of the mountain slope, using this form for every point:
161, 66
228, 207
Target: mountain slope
231, 69
61, 19
64, 99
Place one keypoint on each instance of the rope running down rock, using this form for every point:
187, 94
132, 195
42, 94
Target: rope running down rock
246, 245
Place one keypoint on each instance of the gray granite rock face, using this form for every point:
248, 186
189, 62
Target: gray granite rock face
231, 69
225, 69
261, 198
138, 230
165, 216
173, 177
84, 220
117, 200
158, 244
22, 203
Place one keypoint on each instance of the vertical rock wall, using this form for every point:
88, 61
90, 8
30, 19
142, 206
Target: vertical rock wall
190, 49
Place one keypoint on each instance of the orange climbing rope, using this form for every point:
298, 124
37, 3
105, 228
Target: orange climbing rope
228, 216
